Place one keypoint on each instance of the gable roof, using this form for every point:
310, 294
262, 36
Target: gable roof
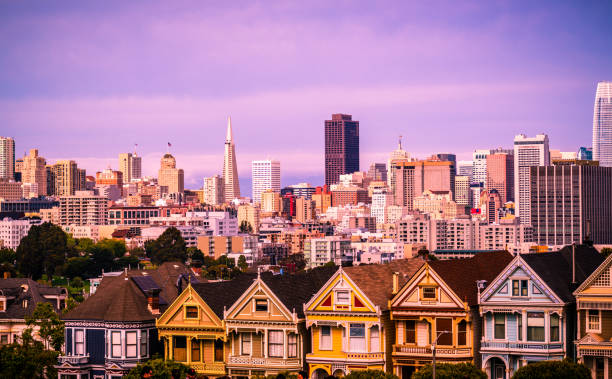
461, 274
376, 281
223, 294
594, 275
555, 268
296, 290
19, 289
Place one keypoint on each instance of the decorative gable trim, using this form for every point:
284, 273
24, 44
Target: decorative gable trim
605, 265
517, 263
188, 295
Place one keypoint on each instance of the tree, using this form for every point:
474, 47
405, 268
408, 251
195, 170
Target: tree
169, 247
42, 251
245, 227
242, 263
85, 245
7, 255
102, 258
27, 358
50, 327
79, 266
451, 371
117, 247
127, 261
565, 369
370, 374
161, 369
606, 251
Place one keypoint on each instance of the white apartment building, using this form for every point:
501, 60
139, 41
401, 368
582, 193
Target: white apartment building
12, 231
381, 199
83, 208
462, 190
319, 251
479, 166
528, 152
265, 176
213, 190
83, 231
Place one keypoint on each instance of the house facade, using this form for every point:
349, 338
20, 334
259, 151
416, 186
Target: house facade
266, 325
594, 329
528, 310
348, 319
437, 309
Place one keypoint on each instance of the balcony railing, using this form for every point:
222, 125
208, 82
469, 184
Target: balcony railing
261, 361
217, 368
536, 346
365, 356
426, 350
73, 359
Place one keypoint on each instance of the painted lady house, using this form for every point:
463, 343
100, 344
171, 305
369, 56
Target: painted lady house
437, 311
528, 310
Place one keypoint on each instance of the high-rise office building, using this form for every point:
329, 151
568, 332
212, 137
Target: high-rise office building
7, 158
170, 176
378, 172
213, 190
341, 147
131, 166
449, 157
66, 178
34, 172
569, 201
230, 169
265, 176
412, 178
136, 167
602, 125
479, 166
465, 168
462, 190
528, 152
585, 154
500, 175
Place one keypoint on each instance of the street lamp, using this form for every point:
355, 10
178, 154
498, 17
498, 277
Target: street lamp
433, 350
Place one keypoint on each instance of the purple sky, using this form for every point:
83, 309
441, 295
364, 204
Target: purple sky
87, 80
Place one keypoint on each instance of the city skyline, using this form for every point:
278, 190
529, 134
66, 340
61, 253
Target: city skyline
513, 77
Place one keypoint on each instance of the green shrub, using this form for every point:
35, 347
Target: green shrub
162, 369
451, 371
565, 369
370, 374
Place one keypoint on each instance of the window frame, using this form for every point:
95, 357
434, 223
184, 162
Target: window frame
198, 347
414, 330
77, 343
189, 309
292, 344
113, 344
325, 346
261, 301
495, 324
348, 297
144, 343
532, 327
588, 327
522, 285
551, 327
134, 345
376, 348
280, 346
360, 341
427, 298
243, 341
519, 326
462, 325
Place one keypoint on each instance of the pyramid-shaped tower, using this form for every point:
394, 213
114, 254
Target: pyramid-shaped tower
230, 169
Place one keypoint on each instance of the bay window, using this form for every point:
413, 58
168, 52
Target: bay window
535, 326
131, 344
499, 326
275, 343
593, 321
116, 344
245, 345
462, 333
195, 350
411, 331
79, 342
292, 345
374, 339
554, 327
325, 341
357, 338
444, 331
144, 343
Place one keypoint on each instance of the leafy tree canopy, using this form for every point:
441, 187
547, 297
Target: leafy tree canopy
451, 371
370, 374
51, 328
161, 369
169, 247
27, 358
565, 369
42, 251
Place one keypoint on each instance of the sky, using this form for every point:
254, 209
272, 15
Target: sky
88, 80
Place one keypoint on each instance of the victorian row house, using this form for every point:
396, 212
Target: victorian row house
436, 312
529, 311
594, 329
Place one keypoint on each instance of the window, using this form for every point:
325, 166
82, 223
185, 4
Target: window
410, 331
554, 327
357, 338
195, 350
144, 343
191, 311
218, 351
374, 339
79, 342
245, 345
116, 344
131, 343
275, 343
180, 348
292, 345
444, 331
519, 326
3, 339
429, 292
261, 305
500, 326
343, 297
462, 333
325, 341
535, 326
519, 288
593, 321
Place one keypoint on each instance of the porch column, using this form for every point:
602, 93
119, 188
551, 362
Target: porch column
188, 355
285, 343
265, 343
171, 350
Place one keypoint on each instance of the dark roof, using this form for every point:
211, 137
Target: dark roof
461, 274
376, 281
297, 289
220, 295
19, 289
556, 268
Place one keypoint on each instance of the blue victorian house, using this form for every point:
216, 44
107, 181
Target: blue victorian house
529, 310
114, 330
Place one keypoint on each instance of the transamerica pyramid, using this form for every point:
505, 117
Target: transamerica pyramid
230, 170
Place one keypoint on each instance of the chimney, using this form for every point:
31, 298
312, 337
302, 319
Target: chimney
153, 300
395, 282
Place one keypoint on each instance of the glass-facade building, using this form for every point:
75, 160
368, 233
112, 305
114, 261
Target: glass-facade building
602, 125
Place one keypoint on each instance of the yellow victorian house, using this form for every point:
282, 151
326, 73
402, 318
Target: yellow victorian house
266, 325
349, 321
192, 328
438, 309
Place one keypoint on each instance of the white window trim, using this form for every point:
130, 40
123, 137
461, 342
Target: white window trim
331, 342
250, 342
343, 303
255, 305
120, 344
588, 329
505, 329
140, 335
74, 342
136, 343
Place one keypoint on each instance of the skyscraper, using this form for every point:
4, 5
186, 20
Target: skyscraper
479, 166
170, 176
602, 125
399, 155
35, 172
341, 147
136, 167
213, 190
230, 169
7, 158
265, 176
528, 152
465, 168
125, 166
66, 178
500, 175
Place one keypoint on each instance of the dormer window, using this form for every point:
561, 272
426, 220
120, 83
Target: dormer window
520, 287
343, 297
261, 305
429, 293
191, 311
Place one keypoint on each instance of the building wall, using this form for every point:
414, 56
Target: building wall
341, 147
